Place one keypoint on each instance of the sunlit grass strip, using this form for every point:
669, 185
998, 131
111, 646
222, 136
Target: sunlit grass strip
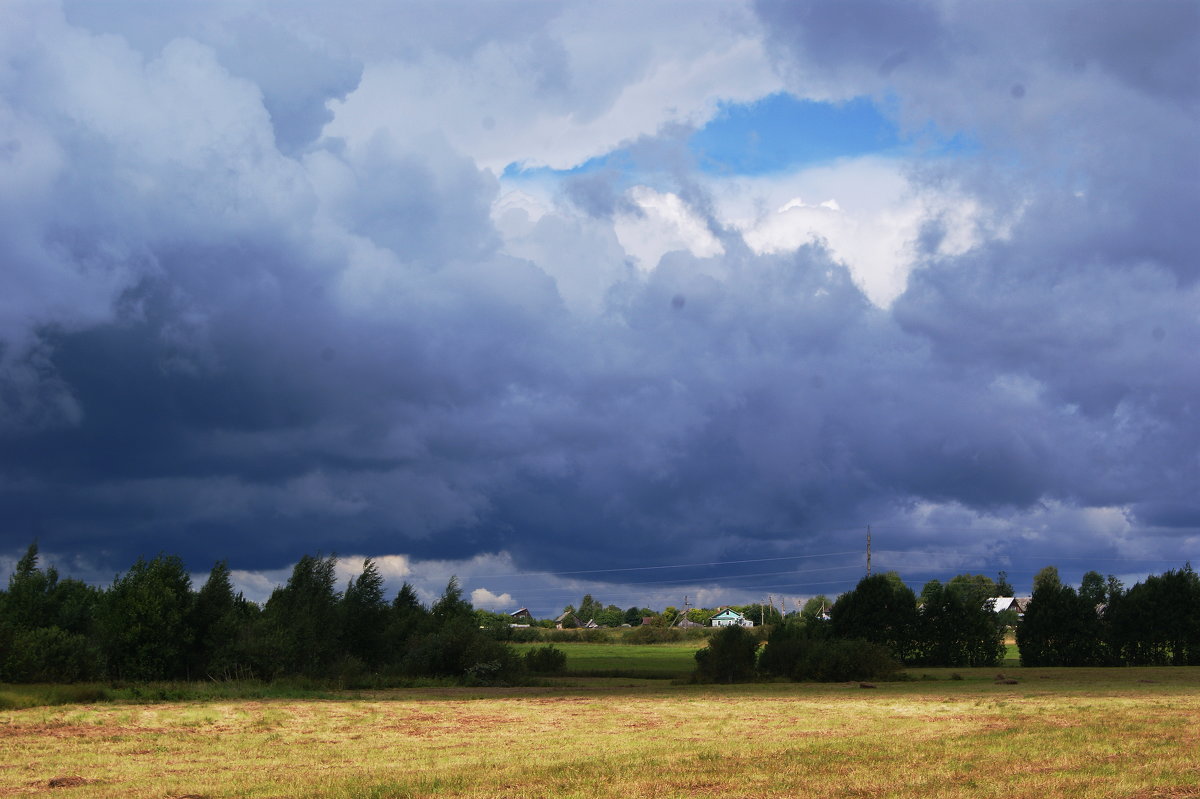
1059, 733
658, 661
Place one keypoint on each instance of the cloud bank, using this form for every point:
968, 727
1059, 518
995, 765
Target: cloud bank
275, 282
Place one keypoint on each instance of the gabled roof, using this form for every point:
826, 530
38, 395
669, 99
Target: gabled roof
727, 613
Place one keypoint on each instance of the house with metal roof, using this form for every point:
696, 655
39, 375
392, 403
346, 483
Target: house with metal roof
730, 618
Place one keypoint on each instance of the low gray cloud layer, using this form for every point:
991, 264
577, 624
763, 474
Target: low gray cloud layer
226, 334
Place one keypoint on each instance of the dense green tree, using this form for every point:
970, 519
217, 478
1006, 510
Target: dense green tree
454, 646
42, 626
50, 654
1060, 628
1047, 576
144, 621
46, 626
406, 619
1093, 589
589, 607
816, 610
1157, 622
1003, 586
881, 609
802, 651
610, 616
634, 615
75, 605
729, 656
973, 589
364, 614
956, 629
497, 625
451, 606
29, 601
300, 630
219, 620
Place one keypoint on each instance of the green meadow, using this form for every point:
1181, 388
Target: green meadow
657, 661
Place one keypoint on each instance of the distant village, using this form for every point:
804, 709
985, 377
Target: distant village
752, 615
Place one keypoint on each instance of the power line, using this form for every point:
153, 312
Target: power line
663, 566
681, 581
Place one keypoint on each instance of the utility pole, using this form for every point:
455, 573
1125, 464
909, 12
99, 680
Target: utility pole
868, 550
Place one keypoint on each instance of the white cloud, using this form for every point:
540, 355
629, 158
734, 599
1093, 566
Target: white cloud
484, 599
583, 255
866, 210
665, 224
597, 76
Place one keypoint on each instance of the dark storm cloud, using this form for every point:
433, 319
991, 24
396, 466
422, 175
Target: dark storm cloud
228, 337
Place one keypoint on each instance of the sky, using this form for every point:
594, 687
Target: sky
648, 300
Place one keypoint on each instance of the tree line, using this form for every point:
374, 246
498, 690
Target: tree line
150, 625
882, 625
1155, 623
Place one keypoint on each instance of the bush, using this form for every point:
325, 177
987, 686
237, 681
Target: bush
562, 636
729, 656
546, 660
350, 672
647, 634
525, 635
460, 649
823, 660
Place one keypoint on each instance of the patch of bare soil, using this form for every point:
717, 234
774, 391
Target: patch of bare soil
73, 730
67, 782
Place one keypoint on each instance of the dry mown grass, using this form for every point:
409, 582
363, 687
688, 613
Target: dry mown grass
1056, 733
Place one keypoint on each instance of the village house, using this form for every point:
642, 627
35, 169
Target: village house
730, 618
567, 619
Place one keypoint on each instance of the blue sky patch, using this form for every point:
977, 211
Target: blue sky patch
777, 133
782, 132
774, 134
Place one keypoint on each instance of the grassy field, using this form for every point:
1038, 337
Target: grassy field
1055, 733
660, 661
